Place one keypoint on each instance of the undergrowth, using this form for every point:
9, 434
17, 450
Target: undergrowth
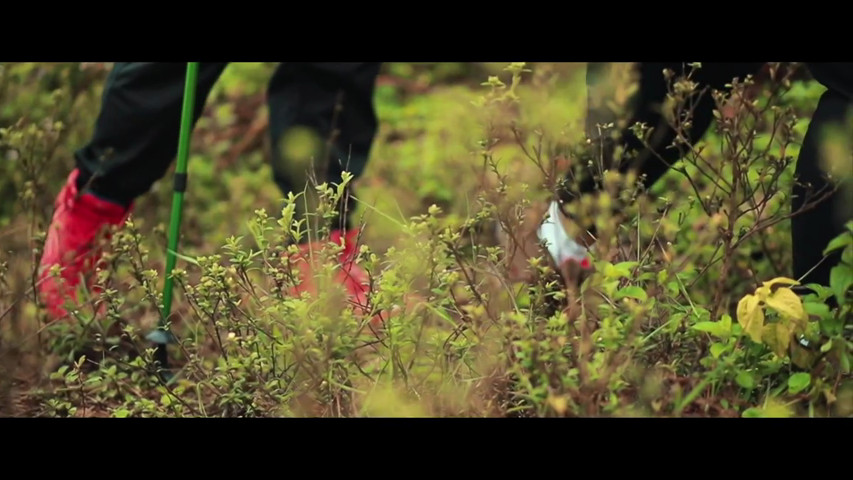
688, 311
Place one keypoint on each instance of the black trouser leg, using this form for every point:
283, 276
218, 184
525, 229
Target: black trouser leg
652, 90
814, 229
811, 230
136, 134
330, 101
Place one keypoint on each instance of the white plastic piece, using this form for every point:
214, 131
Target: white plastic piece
559, 244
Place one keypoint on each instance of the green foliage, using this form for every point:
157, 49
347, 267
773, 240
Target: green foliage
676, 318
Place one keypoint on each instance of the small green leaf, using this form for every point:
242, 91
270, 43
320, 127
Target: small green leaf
822, 291
717, 329
826, 347
672, 288
615, 272
726, 322
121, 413
183, 257
626, 266
717, 349
745, 380
633, 292
840, 279
709, 327
752, 413
838, 242
817, 309
831, 325
799, 382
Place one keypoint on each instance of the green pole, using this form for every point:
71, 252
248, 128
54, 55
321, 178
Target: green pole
163, 336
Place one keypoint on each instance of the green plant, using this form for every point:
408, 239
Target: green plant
674, 320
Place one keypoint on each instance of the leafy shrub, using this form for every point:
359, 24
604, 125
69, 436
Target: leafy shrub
679, 316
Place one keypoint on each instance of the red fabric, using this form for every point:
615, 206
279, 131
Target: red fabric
348, 273
77, 221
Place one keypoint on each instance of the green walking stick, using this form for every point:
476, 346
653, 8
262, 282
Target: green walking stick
163, 336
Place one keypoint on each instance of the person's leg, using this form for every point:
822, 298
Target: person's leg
813, 229
650, 164
136, 133
646, 108
134, 142
311, 104
330, 101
